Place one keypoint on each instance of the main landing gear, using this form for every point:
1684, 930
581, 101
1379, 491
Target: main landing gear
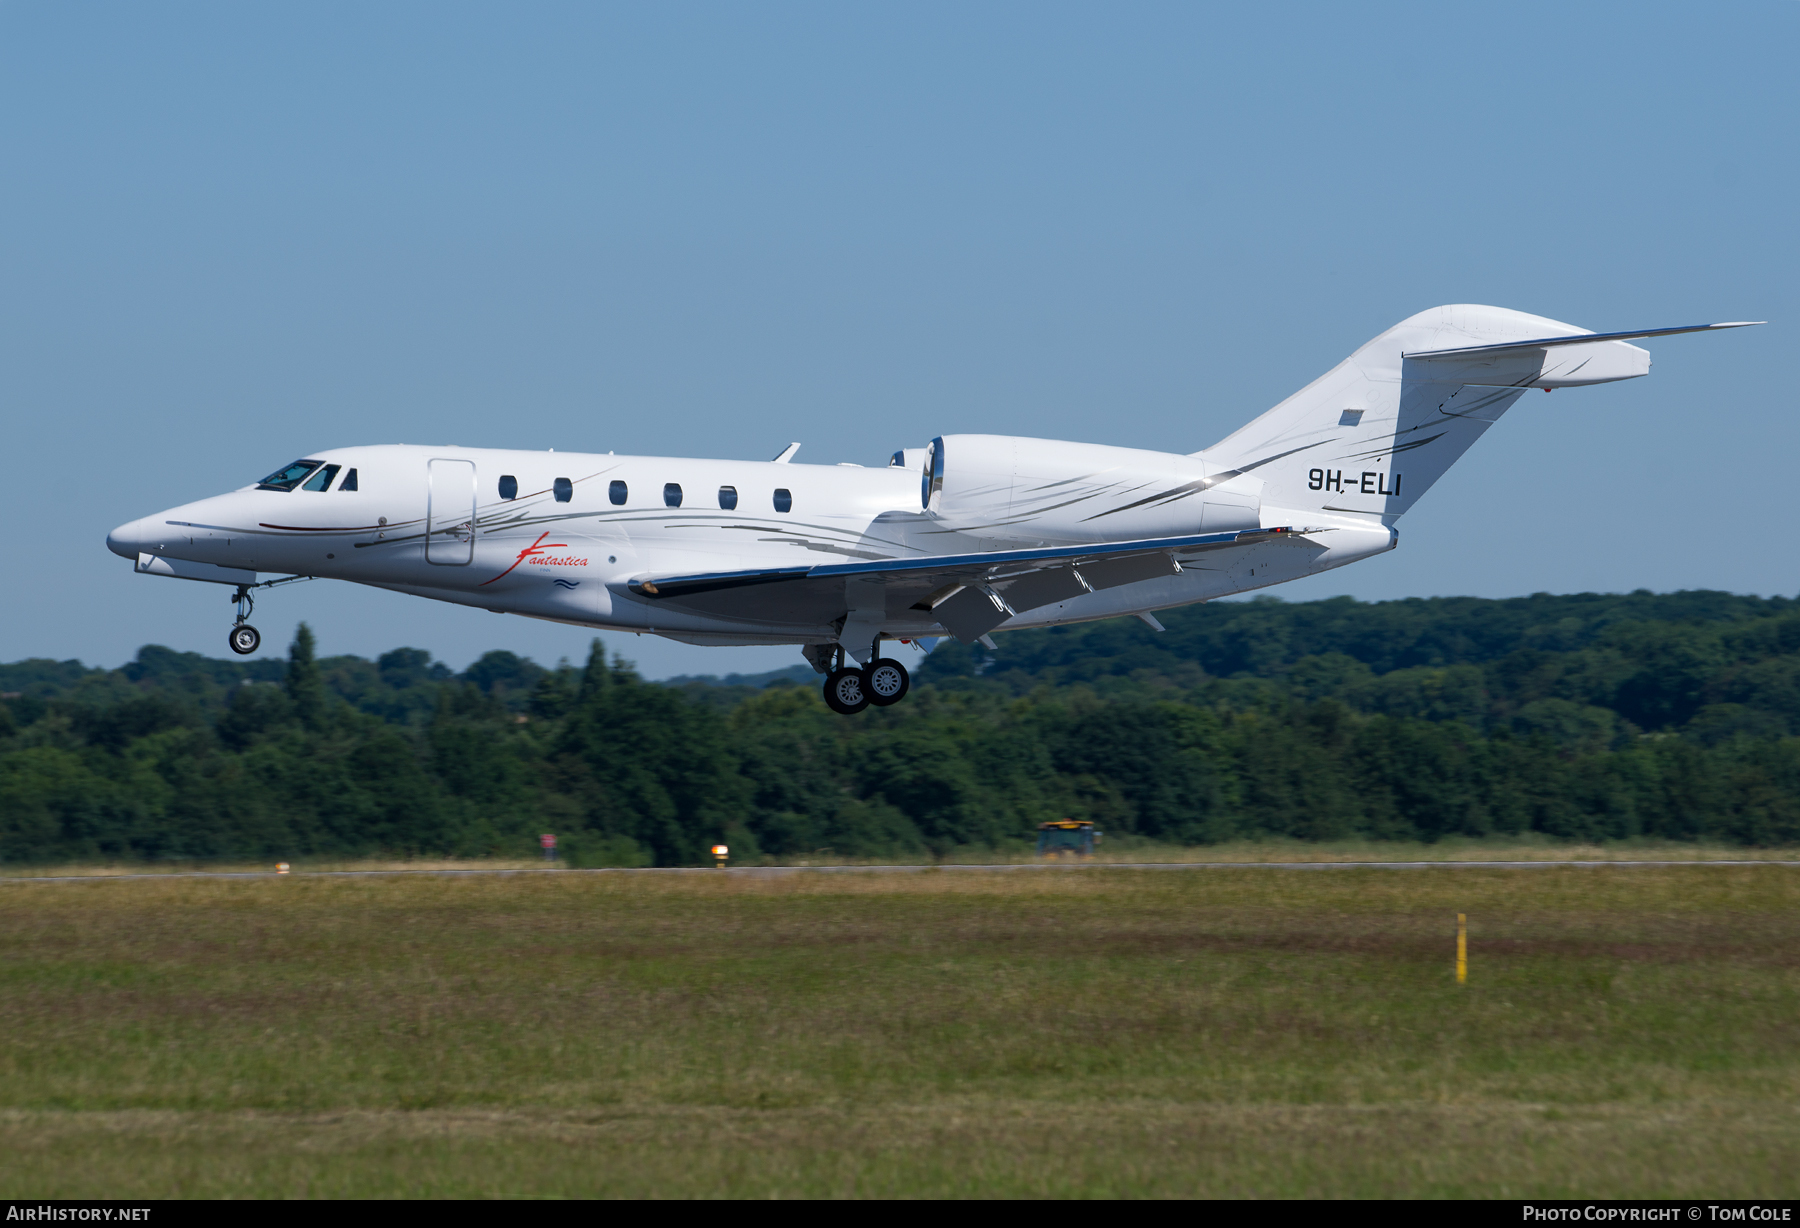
848, 690
244, 639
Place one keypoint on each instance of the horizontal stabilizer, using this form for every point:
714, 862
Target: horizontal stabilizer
1578, 339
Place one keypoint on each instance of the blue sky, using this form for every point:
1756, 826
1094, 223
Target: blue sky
235, 234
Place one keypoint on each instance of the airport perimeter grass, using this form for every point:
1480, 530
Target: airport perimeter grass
1116, 851
1624, 1032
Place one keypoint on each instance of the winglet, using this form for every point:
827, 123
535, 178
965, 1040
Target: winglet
787, 454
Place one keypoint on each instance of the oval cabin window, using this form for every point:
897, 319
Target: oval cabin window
784, 499
565, 489
617, 492
509, 486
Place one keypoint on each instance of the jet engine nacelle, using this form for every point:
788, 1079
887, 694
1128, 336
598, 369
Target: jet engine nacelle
1008, 488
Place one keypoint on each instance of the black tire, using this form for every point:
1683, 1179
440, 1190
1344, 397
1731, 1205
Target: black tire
845, 693
886, 682
244, 639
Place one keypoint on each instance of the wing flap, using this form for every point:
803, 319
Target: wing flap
1046, 586
1111, 573
976, 609
970, 613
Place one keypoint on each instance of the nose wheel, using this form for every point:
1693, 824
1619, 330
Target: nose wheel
244, 639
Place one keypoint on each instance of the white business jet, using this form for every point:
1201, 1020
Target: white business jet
968, 535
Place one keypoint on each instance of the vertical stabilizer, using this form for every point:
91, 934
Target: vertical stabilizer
1373, 434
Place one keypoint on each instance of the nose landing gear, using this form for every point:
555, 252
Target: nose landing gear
244, 639
849, 690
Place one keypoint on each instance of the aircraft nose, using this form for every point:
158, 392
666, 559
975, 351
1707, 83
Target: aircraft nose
132, 539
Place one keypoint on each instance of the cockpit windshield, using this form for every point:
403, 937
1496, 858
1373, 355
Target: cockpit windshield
288, 476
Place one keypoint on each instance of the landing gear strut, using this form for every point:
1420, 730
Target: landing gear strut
848, 690
244, 639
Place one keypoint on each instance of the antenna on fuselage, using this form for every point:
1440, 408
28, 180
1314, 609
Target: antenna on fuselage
787, 454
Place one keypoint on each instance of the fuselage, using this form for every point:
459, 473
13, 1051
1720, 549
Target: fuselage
971, 534
562, 535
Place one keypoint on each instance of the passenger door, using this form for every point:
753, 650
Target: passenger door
450, 512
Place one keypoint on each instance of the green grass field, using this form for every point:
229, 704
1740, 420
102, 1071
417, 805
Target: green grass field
1624, 1032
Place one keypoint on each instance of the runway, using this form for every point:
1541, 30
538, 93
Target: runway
770, 871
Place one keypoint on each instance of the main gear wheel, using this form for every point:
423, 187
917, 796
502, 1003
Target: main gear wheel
886, 682
846, 691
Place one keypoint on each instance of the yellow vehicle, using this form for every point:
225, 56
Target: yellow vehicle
1067, 838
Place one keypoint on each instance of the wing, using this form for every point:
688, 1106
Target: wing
966, 594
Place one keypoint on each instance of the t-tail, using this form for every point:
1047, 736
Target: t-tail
1373, 434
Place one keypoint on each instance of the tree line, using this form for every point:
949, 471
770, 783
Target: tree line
1588, 716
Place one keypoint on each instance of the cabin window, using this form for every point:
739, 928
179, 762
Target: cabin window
321, 480
509, 486
672, 494
289, 476
565, 489
784, 499
349, 482
728, 497
617, 492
